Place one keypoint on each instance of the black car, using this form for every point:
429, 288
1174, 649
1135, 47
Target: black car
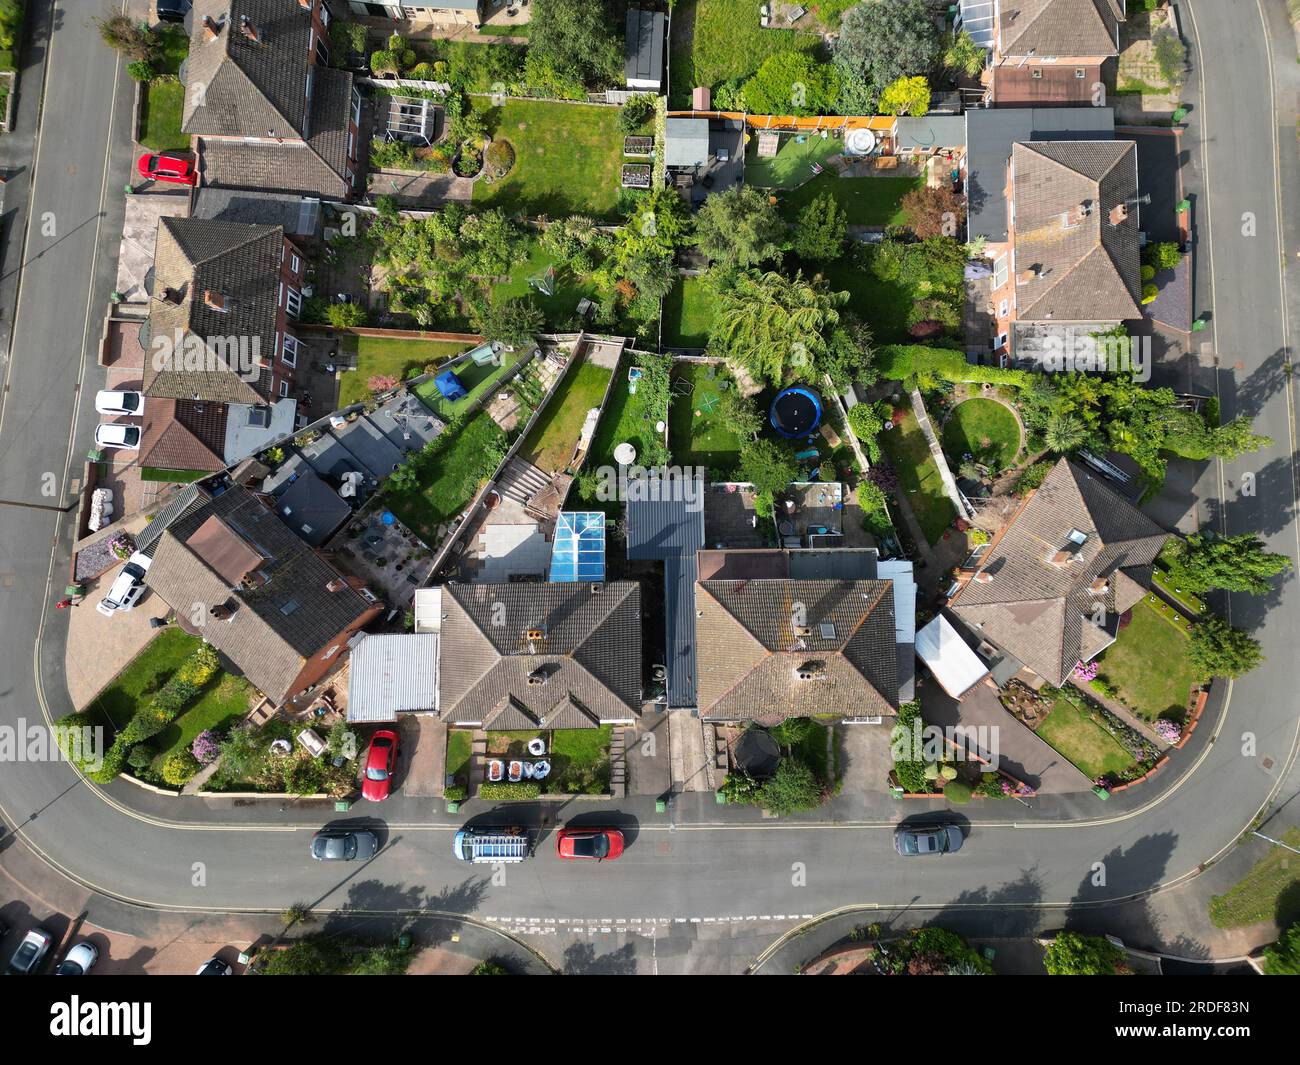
357, 845
927, 839
173, 10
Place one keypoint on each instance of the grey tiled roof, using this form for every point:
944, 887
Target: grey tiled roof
1041, 611
1088, 270
589, 654
181, 503
751, 654
290, 167
1060, 27
241, 264
273, 629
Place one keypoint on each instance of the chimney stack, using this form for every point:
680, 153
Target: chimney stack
983, 577
336, 585
247, 28
1118, 214
1060, 558
220, 612
215, 300
210, 28
1028, 275
1098, 585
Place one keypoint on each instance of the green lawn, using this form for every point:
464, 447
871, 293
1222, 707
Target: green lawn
984, 428
792, 164
550, 445
867, 201
455, 471
1148, 665
918, 476
580, 760
162, 104
458, 752
1073, 732
1192, 604
560, 309
389, 357
625, 419
1269, 892
568, 159
478, 380
223, 703
716, 40
148, 671
696, 435
688, 313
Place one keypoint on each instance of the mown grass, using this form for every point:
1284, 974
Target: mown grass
390, 357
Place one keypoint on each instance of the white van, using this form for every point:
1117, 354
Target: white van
491, 845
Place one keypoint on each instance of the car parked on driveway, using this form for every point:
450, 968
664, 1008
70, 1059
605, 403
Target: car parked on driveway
117, 436
164, 166
381, 760
78, 961
355, 846
927, 839
33, 948
114, 401
127, 588
214, 967
594, 844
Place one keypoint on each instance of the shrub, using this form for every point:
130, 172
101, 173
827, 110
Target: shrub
899, 362
1163, 255
1170, 56
206, 747
1148, 273
1033, 477
1283, 957
140, 757
1149, 292
1074, 954
345, 315
636, 112
957, 792
140, 70
179, 767
303, 776
793, 787
454, 793
500, 157
509, 791
381, 383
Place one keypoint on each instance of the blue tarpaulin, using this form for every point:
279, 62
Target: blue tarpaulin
449, 385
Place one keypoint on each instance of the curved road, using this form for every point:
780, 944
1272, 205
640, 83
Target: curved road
196, 856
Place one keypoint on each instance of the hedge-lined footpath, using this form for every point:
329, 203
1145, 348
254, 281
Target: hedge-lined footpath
898, 362
150, 718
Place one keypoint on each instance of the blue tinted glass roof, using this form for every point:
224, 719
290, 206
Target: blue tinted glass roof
579, 550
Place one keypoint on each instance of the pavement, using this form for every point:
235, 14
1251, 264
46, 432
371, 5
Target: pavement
701, 887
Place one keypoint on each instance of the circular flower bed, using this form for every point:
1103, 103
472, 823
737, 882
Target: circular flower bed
499, 158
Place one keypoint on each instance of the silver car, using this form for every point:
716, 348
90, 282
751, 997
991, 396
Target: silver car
357, 845
927, 839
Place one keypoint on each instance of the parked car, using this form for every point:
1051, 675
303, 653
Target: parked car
927, 839
30, 952
381, 759
173, 10
358, 845
118, 435
111, 401
214, 967
128, 587
164, 166
78, 961
488, 846
596, 844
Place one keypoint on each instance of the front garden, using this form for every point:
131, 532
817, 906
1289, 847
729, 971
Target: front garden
1147, 667
1269, 892
806, 776
579, 760
162, 98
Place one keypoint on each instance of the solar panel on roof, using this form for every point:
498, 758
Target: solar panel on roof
579, 550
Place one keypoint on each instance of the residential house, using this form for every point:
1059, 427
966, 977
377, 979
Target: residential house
525, 655
222, 352
1054, 585
264, 107
1050, 52
236, 575
643, 49
421, 12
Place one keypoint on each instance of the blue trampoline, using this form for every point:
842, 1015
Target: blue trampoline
449, 385
579, 550
795, 412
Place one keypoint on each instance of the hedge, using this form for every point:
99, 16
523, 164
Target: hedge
505, 789
898, 362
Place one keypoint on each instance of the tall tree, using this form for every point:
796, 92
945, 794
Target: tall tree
514, 322
791, 83
963, 56
740, 227
879, 43
1219, 650
768, 465
933, 211
823, 225
1228, 563
1064, 433
572, 46
906, 96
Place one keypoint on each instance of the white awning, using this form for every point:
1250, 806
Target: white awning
955, 666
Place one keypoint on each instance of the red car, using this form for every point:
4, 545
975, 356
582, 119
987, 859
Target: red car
381, 760
160, 166
596, 844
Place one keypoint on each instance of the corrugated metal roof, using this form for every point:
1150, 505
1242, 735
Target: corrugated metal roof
393, 673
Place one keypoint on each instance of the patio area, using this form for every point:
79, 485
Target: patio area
388, 557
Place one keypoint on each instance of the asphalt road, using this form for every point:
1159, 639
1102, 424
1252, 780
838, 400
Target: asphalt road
198, 856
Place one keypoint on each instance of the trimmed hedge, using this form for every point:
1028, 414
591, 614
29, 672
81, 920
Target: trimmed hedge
506, 789
898, 362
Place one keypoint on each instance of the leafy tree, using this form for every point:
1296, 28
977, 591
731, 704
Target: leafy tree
792, 83
768, 465
1283, 957
793, 787
514, 322
934, 212
489, 968
1170, 56
964, 56
906, 96
823, 225
1202, 563
636, 112
774, 326
868, 420
575, 243
1074, 954
849, 357
739, 227
345, 315
1220, 650
739, 414
878, 44
1064, 434
131, 38
572, 45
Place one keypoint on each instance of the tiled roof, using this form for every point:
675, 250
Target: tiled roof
1041, 608
239, 265
183, 435
1046, 28
181, 503
272, 629
753, 648
586, 664
1087, 263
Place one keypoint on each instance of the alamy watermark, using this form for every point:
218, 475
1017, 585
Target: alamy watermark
657, 484
1071, 353
952, 743
80, 744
